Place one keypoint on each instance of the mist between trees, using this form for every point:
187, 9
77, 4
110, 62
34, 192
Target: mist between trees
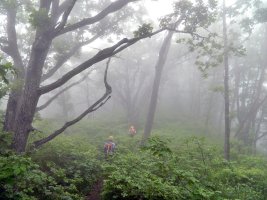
77, 75
202, 64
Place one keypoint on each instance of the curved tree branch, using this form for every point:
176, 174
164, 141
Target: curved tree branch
99, 103
12, 45
113, 7
64, 17
187, 32
100, 56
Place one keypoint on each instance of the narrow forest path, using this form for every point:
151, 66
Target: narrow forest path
95, 193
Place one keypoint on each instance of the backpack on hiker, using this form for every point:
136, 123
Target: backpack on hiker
109, 147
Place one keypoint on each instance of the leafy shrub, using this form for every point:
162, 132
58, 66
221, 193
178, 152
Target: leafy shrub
21, 178
62, 169
71, 162
69, 166
193, 170
152, 174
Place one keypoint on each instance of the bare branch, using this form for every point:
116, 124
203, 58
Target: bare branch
60, 92
186, 32
65, 17
99, 103
55, 11
134, 40
113, 7
63, 6
12, 47
101, 55
70, 53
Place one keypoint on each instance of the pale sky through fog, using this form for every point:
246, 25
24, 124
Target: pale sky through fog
158, 8
155, 8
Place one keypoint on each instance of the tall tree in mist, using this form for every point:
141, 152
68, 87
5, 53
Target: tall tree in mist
226, 89
187, 18
235, 12
163, 53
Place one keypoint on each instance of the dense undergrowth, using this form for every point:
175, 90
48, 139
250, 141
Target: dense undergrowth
177, 163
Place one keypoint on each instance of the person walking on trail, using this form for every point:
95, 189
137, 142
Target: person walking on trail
132, 131
109, 147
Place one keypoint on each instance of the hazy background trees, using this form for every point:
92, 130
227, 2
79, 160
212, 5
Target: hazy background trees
186, 94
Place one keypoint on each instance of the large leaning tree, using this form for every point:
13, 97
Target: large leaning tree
31, 55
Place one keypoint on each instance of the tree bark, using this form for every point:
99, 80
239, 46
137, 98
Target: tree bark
30, 95
13, 51
163, 53
227, 124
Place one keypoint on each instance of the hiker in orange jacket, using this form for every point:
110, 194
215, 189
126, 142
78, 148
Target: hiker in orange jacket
132, 131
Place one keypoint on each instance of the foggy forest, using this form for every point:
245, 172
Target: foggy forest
133, 99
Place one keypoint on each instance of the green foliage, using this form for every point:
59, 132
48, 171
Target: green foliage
193, 170
143, 30
64, 169
157, 147
191, 15
193, 20
71, 162
5, 143
21, 178
8, 4
152, 173
6, 68
173, 168
38, 18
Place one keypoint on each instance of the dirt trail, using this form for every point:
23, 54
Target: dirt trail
95, 193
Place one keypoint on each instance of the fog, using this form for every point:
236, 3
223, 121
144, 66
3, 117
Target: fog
186, 94
133, 99
189, 70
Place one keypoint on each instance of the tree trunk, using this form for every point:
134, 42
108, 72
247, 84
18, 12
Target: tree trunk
14, 98
12, 104
30, 94
163, 53
226, 90
13, 51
